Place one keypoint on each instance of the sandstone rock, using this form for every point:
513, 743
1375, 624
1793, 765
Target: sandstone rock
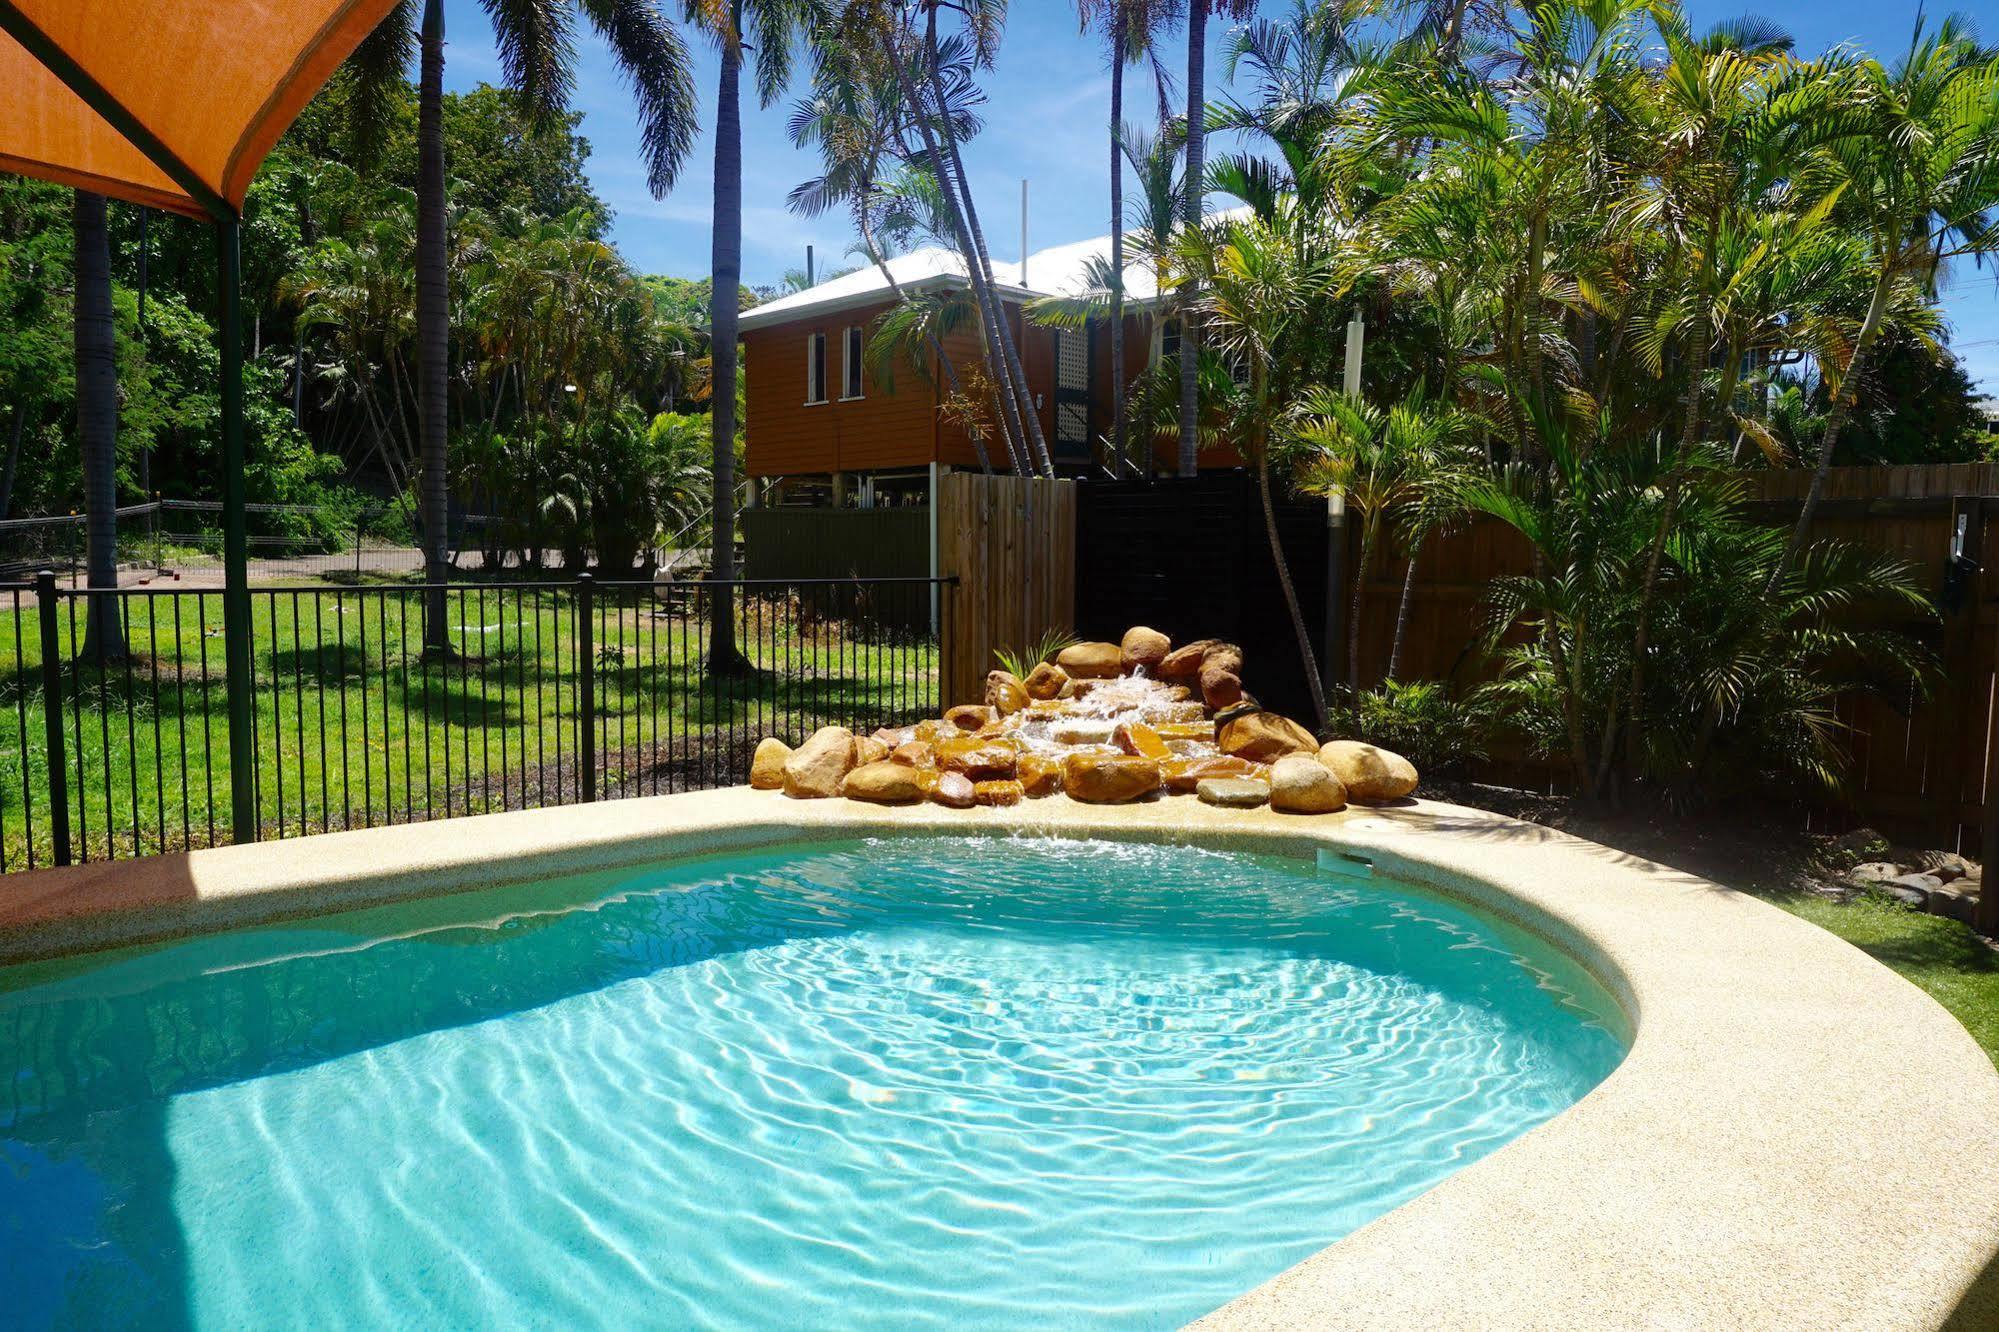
1038, 775
1082, 731
1232, 792
1914, 889
1005, 694
817, 767
1861, 844
1184, 663
932, 729
1186, 730
1957, 899
1300, 784
1098, 780
999, 793
970, 716
883, 783
1090, 661
977, 758
867, 750
954, 790
1140, 741
1370, 775
1045, 681
1265, 737
1220, 689
895, 736
1178, 714
1222, 657
915, 754
1873, 872
1185, 775
1143, 649
767, 764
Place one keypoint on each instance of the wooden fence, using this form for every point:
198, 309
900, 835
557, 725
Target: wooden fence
1921, 766
1011, 543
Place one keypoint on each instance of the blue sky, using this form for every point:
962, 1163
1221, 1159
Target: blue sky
1047, 117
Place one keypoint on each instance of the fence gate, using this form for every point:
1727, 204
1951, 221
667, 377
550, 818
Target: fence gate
1011, 543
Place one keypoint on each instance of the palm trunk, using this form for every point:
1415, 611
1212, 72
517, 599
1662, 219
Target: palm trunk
1119, 35
1402, 609
1305, 653
1010, 424
1190, 340
97, 423
1834, 422
13, 460
1036, 445
724, 297
433, 330
1360, 573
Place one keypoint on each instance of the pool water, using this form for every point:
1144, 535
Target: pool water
905, 1082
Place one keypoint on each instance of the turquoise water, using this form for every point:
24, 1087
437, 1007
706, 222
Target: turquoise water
881, 1083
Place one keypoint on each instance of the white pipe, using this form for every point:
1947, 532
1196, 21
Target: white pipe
1356, 332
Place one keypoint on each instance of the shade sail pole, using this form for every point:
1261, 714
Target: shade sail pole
235, 537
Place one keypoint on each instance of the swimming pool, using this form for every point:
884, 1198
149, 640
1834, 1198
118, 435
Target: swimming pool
898, 1081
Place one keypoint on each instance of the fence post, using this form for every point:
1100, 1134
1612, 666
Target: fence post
58, 762
359, 518
586, 686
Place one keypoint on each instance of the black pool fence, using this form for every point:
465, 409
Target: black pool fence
402, 702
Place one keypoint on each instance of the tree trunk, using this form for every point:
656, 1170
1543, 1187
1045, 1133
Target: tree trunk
1402, 610
1305, 653
1119, 35
1190, 339
97, 423
13, 460
1834, 422
1036, 445
725, 296
1360, 573
433, 329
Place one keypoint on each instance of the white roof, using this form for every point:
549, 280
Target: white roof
1059, 270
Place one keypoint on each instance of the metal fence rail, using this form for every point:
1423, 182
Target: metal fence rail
522, 694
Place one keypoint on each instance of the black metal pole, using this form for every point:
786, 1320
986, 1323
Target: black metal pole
236, 628
586, 685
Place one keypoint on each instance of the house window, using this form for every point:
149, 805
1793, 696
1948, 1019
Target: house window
815, 368
850, 363
1169, 340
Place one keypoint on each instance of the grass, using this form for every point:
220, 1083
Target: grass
356, 725
1944, 958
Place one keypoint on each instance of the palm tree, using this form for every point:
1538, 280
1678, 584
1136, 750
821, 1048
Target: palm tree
97, 422
537, 56
1193, 210
1916, 161
1131, 28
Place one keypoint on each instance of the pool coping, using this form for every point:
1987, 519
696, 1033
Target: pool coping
1797, 1138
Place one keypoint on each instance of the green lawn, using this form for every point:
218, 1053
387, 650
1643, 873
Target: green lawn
354, 726
1943, 957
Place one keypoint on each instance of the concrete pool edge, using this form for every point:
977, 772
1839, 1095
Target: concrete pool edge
1798, 1137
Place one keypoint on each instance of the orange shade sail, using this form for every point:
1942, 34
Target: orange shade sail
209, 84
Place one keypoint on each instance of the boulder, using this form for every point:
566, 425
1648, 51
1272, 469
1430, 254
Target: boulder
1140, 741
1264, 737
1090, 661
1300, 784
953, 790
1045, 681
978, 758
1000, 793
970, 716
867, 749
1142, 650
1185, 775
1082, 731
1220, 689
1232, 792
767, 764
1107, 779
1038, 774
1914, 889
1200, 731
1861, 844
883, 783
1005, 694
1371, 775
895, 736
1184, 663
816, 768
1872, 872
915, 754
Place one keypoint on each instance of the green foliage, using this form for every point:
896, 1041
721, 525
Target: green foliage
1420, 720
1022, 661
